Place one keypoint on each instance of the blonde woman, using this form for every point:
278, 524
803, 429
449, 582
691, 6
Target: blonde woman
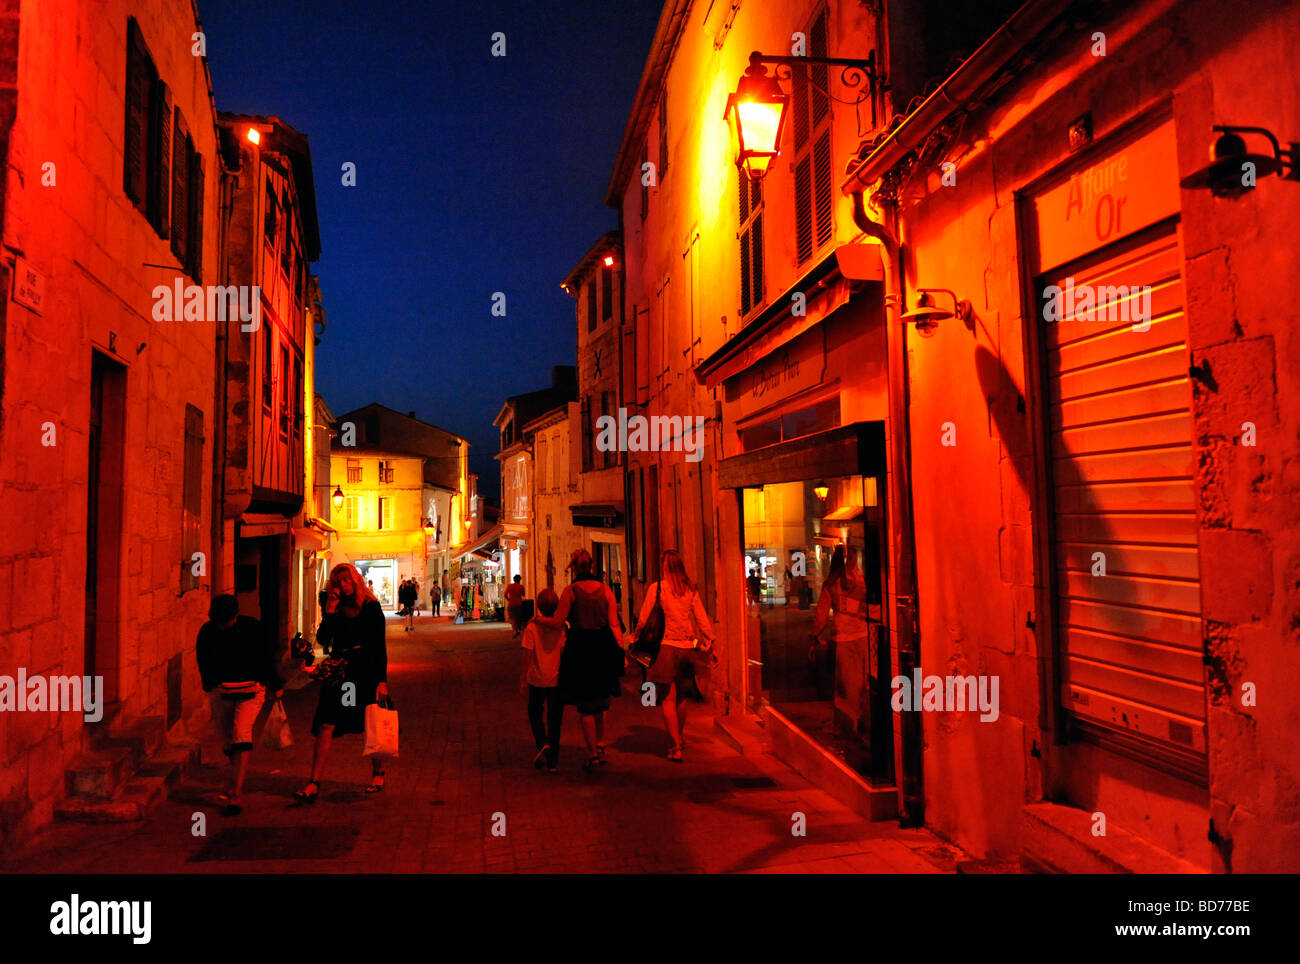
353, 628
685, 623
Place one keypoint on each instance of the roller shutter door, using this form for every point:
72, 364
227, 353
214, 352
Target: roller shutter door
1127, 577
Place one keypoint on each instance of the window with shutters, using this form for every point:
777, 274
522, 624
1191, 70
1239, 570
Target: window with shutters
588, 435
140, 75
751, 244
191, 497
385, 512
297, 396
284, 390
591, 305
609, 457
180, 177
354, 471
271, 220
268, 357
606, 293
352, 512
663, 136
158, 207
641, 172
811, 119
194, 255
543, 466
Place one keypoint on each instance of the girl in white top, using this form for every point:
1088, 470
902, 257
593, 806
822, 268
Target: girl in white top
687, 628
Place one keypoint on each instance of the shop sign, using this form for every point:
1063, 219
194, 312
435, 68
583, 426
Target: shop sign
791, 369
1122, 192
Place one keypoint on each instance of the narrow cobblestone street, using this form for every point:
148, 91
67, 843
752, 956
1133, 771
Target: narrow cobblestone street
466, 755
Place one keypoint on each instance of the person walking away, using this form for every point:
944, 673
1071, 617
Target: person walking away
845, 595
593, 658
406, 596
354, 625
435, 601
685, 622
515, 604
543, 648
237, 665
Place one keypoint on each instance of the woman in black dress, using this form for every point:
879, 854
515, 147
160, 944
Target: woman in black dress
593, 658
353, 628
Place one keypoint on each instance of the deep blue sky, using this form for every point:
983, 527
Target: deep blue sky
475, 174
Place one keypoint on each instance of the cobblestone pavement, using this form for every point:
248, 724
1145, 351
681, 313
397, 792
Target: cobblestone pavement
466, 756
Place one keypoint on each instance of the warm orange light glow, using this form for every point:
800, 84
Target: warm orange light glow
822, 491
757, 110
254, 136
609, 261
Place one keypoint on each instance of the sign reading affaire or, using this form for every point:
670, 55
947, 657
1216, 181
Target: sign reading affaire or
29, 286
1117, 194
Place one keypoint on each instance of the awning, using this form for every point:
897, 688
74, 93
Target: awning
599, 515
485, 540
309, 539
845, 513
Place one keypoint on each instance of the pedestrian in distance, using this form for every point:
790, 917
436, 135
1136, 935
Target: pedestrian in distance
237, 665
435, 601
687, 644
407, 594
543, 648
593, 659
354, 626
515, 605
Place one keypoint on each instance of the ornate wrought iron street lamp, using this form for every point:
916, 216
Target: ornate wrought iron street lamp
757, 109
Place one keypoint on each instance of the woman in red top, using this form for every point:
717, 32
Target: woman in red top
593, 655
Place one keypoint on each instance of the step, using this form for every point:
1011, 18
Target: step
1056, 838
143, 736
138, 795
821, 768
173, 763
742, 733
99, 774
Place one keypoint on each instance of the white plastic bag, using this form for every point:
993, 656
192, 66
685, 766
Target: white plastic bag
381, 732
276, 735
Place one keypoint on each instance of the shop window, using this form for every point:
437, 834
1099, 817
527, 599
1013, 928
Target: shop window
816, 635
809, 420
751, 244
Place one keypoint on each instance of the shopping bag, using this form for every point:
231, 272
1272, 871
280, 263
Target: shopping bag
276, 735
381, 731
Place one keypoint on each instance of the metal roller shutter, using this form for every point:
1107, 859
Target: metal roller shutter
1120, 430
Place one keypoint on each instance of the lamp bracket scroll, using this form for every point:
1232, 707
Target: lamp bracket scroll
855, 74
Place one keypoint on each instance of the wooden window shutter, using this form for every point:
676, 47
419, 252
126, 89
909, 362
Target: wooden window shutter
591, 305
160, 156
191, 496
799, 105
196, 213
139, 80
180, 190
819, 104
803, 215
822, 195
756, 260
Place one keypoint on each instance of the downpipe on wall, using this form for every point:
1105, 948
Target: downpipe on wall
911, 799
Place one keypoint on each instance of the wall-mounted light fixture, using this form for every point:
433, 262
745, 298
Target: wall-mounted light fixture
338, 497
1233, 169
609, 261
757, 109
927, 315
821, 490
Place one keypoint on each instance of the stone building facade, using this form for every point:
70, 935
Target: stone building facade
107, 411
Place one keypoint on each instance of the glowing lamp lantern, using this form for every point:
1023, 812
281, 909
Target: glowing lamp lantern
254, 137
609, 261
338, 497
821, 491
757, 111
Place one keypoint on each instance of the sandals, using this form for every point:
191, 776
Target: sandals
376, 787
601, 758
675, 754
590, 762
543, 754
306, 796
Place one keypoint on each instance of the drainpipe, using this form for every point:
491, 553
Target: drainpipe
911, 801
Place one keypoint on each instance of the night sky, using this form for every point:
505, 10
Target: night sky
475, 174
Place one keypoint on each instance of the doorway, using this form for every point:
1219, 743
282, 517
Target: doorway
104, 520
